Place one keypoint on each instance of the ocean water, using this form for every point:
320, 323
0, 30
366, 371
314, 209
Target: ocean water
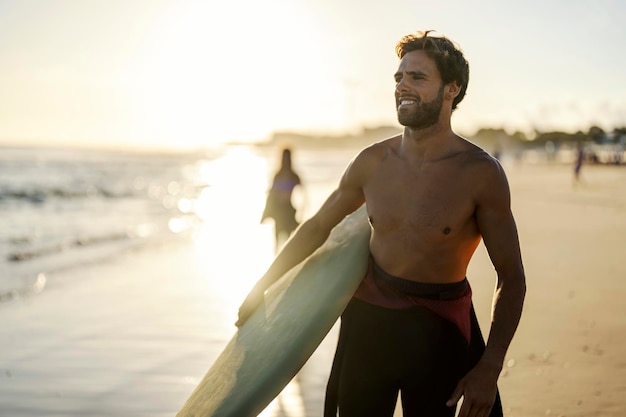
62, 208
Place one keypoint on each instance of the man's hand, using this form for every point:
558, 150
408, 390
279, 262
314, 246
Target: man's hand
478, 389
250, 304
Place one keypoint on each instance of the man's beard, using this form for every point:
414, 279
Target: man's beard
425, 115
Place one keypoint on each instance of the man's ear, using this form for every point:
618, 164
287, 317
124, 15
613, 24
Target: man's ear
452, 90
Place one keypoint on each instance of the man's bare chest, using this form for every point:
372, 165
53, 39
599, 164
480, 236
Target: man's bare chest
434, 204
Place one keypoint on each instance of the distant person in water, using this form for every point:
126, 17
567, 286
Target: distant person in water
278, 205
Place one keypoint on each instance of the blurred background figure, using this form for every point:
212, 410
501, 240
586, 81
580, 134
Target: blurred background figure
279, 205
578, 162
497, 151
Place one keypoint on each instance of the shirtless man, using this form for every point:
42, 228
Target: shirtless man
431, 196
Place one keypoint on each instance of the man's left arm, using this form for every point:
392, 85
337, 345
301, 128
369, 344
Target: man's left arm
497, 226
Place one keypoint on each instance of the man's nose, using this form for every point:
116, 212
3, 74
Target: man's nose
401, 86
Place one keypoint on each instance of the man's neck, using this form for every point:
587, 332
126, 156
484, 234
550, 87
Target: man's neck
428, 144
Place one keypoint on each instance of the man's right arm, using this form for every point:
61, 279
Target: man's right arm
309, 236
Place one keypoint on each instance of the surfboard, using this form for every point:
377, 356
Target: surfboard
276, 341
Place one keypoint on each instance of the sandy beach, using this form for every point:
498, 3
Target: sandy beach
132, 337
567, 358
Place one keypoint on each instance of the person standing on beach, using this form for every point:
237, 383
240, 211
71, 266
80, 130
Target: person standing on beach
278, 205
578, 162
431, 196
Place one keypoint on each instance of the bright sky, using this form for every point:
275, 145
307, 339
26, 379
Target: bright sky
183, 73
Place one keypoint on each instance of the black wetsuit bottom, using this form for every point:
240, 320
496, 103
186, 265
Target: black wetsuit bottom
412, 351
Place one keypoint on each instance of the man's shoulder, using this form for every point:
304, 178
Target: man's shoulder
381, 149
485, 173
386, 144
480, 168
370, 158
477, 157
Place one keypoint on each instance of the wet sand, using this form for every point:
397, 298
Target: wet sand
134, 336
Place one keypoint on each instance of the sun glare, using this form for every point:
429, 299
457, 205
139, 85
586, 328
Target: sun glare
209, 74
232, 248
232, 244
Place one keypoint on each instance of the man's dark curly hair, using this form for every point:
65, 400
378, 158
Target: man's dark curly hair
450, 61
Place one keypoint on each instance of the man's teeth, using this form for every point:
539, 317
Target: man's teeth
403, 102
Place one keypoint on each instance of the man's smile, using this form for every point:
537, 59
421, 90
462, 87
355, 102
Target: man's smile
405, 101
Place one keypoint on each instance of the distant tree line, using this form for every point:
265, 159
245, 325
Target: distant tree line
496, 141
491, 138
598, 145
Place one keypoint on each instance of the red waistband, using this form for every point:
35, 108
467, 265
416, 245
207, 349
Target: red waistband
379, 289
